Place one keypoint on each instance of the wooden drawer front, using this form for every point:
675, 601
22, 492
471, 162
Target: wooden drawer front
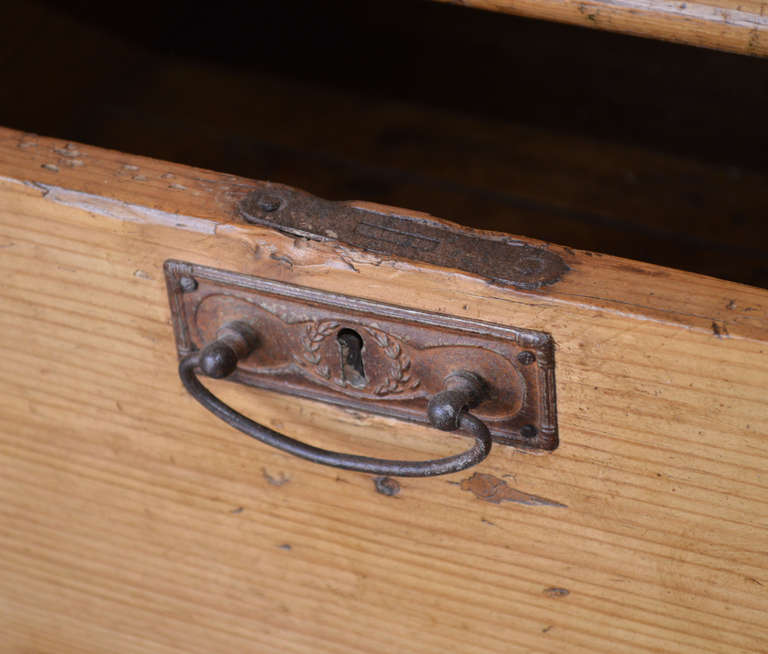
133, 521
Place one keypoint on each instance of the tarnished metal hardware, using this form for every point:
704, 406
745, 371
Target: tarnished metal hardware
447, 411
365, 355
496, 257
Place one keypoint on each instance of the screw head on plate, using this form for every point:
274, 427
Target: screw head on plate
526, 357
188, 284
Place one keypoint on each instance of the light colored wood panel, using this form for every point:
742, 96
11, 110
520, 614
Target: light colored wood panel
719, 24
133, 521
204, 202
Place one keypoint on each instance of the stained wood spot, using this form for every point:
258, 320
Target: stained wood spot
492, 489
554, 592
386, 486
721, 331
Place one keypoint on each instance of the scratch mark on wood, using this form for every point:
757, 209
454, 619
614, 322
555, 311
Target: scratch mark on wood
275, 481
638, 270
281, 258
492, 489
124, 211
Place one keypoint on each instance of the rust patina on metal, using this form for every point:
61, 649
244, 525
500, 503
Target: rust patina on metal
496, 257
369, 356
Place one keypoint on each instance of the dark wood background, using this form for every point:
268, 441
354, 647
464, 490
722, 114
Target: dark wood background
642, 149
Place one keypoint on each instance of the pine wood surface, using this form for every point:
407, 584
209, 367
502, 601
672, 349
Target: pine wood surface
133, 521
729, 25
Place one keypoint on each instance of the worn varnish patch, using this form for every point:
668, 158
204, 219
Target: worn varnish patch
492, 489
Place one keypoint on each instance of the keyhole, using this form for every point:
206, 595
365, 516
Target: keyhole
351, 351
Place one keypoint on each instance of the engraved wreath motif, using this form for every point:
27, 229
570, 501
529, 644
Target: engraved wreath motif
397, 380
314, 334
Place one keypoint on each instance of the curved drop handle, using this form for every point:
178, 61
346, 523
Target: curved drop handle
447, 411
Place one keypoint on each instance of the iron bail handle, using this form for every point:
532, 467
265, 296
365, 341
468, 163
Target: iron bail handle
447, 411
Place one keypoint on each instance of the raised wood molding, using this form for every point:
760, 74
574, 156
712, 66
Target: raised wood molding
133, 521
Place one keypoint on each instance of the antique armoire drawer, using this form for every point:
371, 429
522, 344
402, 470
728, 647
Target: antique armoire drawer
135, 521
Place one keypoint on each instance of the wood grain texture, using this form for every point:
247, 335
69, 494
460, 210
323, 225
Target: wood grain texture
133, 521
728, 25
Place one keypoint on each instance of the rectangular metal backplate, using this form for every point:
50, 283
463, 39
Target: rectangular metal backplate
366, 355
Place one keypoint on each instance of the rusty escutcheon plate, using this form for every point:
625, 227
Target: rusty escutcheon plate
366, 355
